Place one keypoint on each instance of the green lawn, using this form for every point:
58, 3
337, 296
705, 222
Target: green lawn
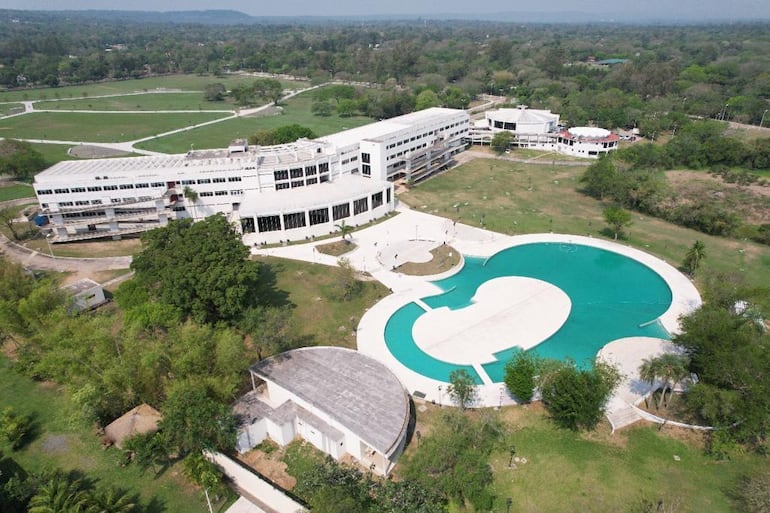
97, 127
63, 440
156, 101
10, 108
16, 191
182, 82
515, 198
295, 110
320, 320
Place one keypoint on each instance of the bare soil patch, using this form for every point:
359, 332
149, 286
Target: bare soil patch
337, 248
89, 151
270, 466
751, 202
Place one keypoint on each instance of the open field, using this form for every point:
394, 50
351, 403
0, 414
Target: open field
88, 249
63, 440
295, 110
320, 320
182, 82
10, 108
53, 153
157, 101
97, 127
16, 191
515, 198
599, 472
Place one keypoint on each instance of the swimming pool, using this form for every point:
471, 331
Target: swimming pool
612, 296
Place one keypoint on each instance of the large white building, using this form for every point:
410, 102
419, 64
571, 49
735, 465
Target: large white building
339, 400
285, 192
540, 130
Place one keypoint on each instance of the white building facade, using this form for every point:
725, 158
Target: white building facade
540, 130
280, 193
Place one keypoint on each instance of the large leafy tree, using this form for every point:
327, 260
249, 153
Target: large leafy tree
194, 420
202, 269
521, 375
575, 397
617, 218
462, 388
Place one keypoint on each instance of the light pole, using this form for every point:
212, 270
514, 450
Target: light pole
439, 395
508, 503
48, 241
513, 453
763, 118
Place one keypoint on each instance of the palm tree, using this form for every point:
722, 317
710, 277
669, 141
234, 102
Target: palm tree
191, 195
672, 368
110, 500
346, 230
648, 373
692, 259
59, 494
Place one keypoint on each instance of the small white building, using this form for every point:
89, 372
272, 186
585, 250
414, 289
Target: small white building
540, 130
85, 294
339, 400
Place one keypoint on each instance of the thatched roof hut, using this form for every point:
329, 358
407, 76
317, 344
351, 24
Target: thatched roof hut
141, 420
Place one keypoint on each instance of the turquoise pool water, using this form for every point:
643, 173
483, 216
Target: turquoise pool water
613, 296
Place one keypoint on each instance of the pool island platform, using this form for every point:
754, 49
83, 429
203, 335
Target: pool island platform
528, 311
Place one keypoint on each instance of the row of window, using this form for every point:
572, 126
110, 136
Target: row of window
298, 172
314, 217
351, 159
301, 183
418, 147
126, 186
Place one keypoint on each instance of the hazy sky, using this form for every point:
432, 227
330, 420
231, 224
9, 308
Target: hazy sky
662, 9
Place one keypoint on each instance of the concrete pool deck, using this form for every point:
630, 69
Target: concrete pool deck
409, 236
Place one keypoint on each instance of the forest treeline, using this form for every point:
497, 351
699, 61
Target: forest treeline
710, 71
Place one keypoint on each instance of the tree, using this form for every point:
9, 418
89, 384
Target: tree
426, 99
694, 256
669, 368
215, 92
206, 474
346, 231
323, 109
575, 398
520, 375
191, 195
617, 218
20, 160
346, 284
601, 178
202, 269
14, 427
110, 500
59, 493
194, 421
501, 141
462, 388
149, 451
411, 496
8, 218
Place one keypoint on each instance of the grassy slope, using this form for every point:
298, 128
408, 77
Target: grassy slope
16, 191
295, 110
64, 441
183, 82
164, 101
97, 127
520, 198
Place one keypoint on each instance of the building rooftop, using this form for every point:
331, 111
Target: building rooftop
298, 199
524, 115
80, 286
590, 134
377, 131
359, 392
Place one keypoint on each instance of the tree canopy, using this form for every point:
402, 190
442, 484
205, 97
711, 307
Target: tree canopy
202, 269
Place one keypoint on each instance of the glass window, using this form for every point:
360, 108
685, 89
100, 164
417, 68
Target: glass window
341, 211
281, 175
318, 216
376, 200
295, 220
268, 224
360, 206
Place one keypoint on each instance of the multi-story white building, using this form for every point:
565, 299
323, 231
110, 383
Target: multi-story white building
540, 130
279, 193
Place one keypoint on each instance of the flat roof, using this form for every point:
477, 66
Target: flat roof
81, 286
342, 189
523, 115
377, 131
357, 391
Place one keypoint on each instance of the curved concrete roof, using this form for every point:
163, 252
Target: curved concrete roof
356, 390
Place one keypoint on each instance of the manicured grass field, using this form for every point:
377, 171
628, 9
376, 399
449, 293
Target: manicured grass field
182, 82
63, 440
156, 101
515, 198
97, 127
295, 110
16, 191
